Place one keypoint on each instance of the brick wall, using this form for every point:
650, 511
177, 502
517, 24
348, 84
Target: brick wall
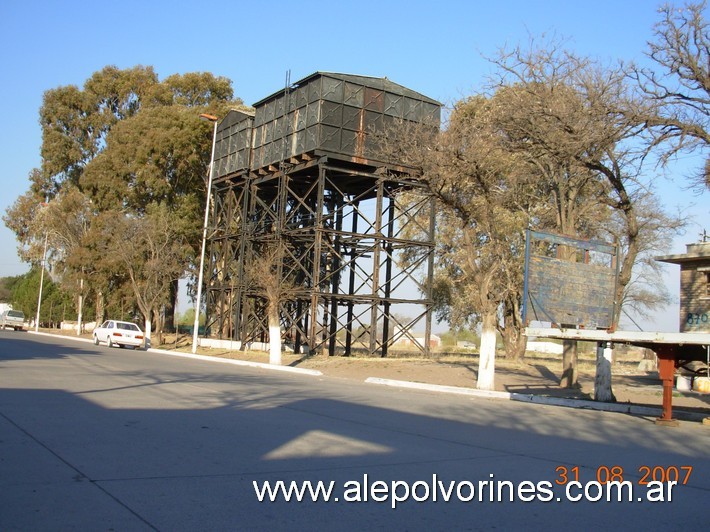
694, 296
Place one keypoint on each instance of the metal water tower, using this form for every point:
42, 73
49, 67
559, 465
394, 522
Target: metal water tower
304, 171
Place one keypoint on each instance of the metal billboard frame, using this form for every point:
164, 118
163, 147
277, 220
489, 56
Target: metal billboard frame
570, 293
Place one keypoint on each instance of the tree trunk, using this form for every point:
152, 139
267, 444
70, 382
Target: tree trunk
487, 356
79, 325
569, 365
148, 327
602, 380
521, 346
569, 378
100, 307
159, 320
169, 322
514, 341
274, 337
243, 336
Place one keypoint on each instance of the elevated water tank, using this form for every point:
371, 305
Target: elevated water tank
333, 113
232, 151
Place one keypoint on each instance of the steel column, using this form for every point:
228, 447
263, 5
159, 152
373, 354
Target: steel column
666, 370
376, 268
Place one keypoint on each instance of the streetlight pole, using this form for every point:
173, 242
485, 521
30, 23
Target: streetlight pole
41, 281
41, 275
204, 234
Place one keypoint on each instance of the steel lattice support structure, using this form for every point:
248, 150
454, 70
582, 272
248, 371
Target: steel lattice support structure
349, 238
345, 228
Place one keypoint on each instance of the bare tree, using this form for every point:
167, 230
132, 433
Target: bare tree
68, 222
553, 146
64, 221
264, 272
577, 125
468, 171
679, 88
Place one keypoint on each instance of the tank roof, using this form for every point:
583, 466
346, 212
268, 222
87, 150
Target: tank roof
368, 81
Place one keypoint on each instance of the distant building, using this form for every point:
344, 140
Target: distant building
694, 286
418, 340
551, 348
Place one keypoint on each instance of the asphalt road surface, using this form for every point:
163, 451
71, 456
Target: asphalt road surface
94, 438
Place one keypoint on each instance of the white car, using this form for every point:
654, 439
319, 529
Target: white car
14, 319
121, 333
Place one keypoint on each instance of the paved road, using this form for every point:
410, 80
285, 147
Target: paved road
93, 438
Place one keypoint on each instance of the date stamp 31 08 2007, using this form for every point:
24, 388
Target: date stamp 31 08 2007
646, 474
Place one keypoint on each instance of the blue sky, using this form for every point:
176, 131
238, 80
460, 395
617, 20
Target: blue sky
436, 48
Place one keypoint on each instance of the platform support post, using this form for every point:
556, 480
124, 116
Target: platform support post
666, 370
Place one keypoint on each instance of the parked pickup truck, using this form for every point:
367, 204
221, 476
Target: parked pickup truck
14, 319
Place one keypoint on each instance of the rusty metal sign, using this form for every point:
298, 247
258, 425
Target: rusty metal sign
570, 281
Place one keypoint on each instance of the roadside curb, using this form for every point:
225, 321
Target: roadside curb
235, 362
621, 408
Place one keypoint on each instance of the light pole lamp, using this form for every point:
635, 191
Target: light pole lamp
198, 299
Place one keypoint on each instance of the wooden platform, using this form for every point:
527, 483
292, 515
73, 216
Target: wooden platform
672, 349
620, 337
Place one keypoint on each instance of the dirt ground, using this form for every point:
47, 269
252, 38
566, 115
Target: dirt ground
537, 374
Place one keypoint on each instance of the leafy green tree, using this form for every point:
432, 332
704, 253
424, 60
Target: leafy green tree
62, 224
459, 334
187, 318
8, 287
5, 293
24, 294
161, 155
76, 122
196, 90
158, 155
21, 218
67, 221
124, 141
